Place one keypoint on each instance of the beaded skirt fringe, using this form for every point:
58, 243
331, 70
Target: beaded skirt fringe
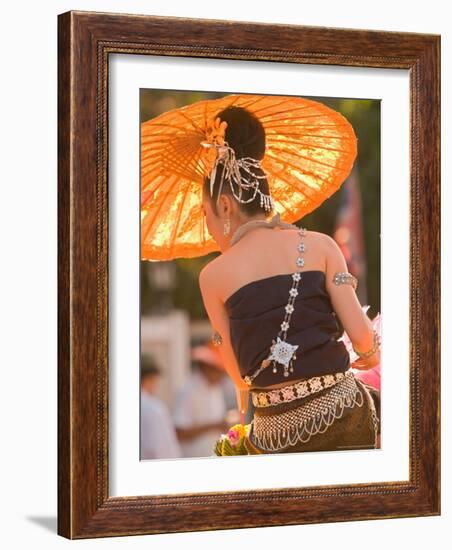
274, 431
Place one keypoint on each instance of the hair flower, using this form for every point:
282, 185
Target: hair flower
214, 138
215, 131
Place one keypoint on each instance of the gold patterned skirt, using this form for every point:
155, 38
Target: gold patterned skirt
342, 416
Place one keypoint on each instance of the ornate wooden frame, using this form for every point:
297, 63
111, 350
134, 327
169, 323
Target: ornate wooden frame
85, 40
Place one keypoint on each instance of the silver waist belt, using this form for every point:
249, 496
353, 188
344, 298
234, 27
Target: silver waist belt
274, 432
299, 389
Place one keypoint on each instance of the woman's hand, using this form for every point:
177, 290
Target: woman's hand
359, 364
367, 364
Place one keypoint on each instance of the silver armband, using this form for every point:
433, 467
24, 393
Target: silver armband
343, 278
217, 339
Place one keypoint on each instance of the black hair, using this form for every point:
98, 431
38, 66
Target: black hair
246, 135
148, 367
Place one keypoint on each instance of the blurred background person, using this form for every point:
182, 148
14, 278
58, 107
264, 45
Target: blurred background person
158, 435
200, 412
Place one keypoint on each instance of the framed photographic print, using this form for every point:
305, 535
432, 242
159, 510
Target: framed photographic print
248, 274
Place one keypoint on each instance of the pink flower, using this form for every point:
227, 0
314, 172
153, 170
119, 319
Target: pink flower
370, 377
274, 398
233, 436
288, 393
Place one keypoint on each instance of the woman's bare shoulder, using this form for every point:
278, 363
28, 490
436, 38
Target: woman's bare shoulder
321, 239
317, 240
317, 234
213, 272
210, 269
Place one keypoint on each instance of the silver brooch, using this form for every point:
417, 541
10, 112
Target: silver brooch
282, 352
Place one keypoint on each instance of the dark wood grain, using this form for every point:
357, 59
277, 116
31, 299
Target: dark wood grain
85, 41
64, 295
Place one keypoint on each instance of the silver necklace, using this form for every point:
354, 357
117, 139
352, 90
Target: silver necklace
275, 221
280, 351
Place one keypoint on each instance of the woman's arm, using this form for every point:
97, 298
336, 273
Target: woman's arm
220, 322
345, 303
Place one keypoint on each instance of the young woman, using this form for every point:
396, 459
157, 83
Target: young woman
277, 297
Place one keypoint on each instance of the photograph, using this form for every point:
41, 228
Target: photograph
260, 305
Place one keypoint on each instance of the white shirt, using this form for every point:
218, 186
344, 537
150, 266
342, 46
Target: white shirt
158, 435
199, 402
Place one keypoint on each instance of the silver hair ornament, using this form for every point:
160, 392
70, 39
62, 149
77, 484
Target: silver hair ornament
231, 172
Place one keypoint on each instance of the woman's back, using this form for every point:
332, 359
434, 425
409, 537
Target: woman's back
255, 276
265, 252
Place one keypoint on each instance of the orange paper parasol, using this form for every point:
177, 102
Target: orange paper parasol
310, 151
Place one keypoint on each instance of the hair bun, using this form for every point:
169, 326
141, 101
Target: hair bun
244, 132
245, 136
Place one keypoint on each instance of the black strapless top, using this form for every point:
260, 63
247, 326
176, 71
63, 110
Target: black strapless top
256, 311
